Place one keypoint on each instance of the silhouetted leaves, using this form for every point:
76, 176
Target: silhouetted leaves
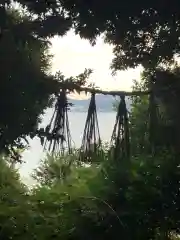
143, 32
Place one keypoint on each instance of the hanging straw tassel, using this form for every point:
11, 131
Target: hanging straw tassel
153, 116
57, 133
91, 141
120, 137
153, 122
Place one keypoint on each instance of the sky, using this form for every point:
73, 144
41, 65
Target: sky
73, 54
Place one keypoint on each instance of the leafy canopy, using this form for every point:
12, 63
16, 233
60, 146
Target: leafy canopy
26, 86
143, 32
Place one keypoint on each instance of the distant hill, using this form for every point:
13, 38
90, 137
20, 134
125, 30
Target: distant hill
104, 103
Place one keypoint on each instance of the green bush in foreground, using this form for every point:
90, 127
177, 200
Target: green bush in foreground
137, 199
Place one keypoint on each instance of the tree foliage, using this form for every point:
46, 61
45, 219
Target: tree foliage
26, 87
55, 169
135, 199
132, 200
142, 32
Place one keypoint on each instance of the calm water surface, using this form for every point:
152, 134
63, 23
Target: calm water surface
34, 154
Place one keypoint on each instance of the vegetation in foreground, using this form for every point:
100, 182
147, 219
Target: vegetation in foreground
136, 199
108, 199
132, 200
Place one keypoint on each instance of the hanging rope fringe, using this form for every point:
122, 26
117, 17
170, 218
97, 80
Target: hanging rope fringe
91, 141
153, 122
57, 137
120, 137
57, 134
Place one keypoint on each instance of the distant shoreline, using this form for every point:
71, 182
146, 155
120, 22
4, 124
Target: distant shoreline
76, 110
103, 104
